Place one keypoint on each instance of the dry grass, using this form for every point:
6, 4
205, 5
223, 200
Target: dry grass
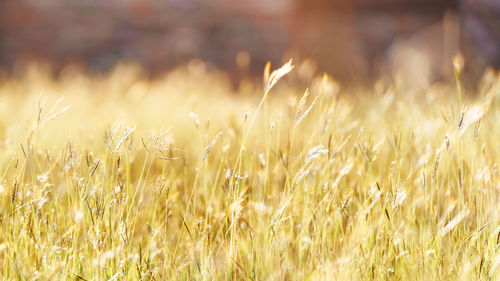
180, 179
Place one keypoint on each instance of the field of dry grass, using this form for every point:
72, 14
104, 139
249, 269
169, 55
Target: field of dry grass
182, 178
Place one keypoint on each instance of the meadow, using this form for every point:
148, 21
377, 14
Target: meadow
184, 177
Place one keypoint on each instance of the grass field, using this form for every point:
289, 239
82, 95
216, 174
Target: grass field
184, 178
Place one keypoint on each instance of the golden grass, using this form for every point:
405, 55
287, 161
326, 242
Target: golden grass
180, 178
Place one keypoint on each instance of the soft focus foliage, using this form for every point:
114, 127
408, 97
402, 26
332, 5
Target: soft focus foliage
183, 178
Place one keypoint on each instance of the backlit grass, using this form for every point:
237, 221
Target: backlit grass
184, 178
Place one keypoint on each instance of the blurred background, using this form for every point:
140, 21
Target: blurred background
353, 40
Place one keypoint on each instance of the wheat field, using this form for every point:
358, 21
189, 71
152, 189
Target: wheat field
183, 177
